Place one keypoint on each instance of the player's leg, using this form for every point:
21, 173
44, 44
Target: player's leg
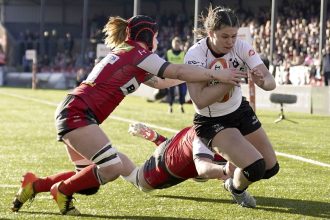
236, 149
171, 98
261, 142
92, 143
182, 95
32, 185
249, 162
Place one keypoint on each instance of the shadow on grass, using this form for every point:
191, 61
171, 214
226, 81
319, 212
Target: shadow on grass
197, 199
294, 206
280, 205
110, 216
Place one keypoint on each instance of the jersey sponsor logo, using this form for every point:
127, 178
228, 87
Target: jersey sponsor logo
141, 52
251, 53
234, 62
217, 128
112, 58
130, 87
197, 63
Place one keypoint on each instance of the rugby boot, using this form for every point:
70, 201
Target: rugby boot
64, 202
243, 199
26, 191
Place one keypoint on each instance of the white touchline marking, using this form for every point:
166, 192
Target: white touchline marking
303, 159
9, 186
165, 129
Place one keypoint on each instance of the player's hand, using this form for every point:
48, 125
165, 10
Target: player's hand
143, 131
232, 76
257, 77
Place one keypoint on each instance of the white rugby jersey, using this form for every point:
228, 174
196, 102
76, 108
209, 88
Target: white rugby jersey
242, 57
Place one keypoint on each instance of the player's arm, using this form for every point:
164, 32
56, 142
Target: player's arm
204, 95
189, 73
209, 170
204, 162
262, 77
160, 83
259, 73
143, 131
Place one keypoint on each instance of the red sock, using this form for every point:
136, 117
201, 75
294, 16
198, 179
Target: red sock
44, 184
84, 179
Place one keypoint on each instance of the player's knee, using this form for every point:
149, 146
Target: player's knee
90, 191
272, 171
255, 171
108, 164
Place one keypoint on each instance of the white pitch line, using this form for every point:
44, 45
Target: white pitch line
295, 157
9, 186
303, 159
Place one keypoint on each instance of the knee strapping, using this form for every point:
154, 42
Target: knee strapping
255, 171
106, 156
272, 171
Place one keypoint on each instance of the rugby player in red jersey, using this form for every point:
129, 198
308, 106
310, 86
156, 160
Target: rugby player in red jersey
130, 63
175, 160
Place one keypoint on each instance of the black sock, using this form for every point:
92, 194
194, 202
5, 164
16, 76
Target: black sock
234, 190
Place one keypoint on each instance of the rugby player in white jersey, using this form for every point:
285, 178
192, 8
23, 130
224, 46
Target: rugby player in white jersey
224, 119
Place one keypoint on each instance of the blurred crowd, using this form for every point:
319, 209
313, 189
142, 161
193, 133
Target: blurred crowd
296, 42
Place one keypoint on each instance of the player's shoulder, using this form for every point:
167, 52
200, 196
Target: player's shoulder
198, 47
196, 52
239, 44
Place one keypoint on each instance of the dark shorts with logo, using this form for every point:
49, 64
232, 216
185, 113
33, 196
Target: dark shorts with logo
244, 119
155, 171
72, 113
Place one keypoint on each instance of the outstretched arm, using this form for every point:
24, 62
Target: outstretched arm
159, 83
207, 169
143, 131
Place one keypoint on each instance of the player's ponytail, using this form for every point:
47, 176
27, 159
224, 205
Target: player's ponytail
115, 31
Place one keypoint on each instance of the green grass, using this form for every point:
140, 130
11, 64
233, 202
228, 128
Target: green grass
28, 142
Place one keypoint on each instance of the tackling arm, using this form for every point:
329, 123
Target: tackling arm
207, 169
143, 131
159, 83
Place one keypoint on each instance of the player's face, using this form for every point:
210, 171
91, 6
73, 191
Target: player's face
155, 42
223, 40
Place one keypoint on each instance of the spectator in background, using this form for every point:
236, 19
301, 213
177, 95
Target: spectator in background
176, 55
81, 75
2, 56
68, 44
326, 66
53, 40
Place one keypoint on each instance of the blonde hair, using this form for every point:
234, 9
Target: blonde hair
216, 19
115, 31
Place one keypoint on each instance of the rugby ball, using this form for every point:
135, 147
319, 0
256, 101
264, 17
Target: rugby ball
219, 64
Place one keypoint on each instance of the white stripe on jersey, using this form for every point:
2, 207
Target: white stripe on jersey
152, 64
241, 57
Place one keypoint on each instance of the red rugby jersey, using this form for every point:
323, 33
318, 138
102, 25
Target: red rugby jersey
118, 74
179, 156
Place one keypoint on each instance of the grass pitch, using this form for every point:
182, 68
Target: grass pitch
301, 190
